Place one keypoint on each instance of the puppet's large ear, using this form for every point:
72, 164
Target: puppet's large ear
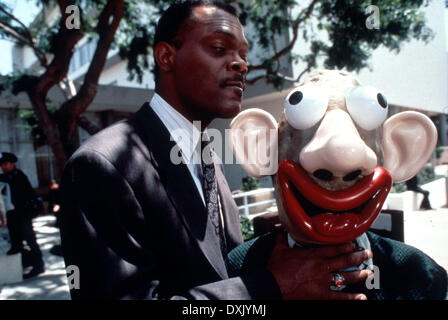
253, 134
409, 138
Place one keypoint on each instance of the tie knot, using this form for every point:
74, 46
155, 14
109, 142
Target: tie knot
206, 149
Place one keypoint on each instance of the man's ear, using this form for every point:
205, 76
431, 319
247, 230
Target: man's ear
409, 138
164, 54
253, 134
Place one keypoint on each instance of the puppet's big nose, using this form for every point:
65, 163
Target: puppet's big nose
337, 150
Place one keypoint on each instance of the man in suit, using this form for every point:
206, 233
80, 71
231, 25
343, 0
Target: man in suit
139, 226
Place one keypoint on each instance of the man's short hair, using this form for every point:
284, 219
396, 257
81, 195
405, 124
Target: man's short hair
171, 20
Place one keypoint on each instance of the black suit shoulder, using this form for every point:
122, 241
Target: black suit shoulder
126, 228
119, 146
108, 143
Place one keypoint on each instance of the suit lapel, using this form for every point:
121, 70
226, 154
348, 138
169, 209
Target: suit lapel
179, 185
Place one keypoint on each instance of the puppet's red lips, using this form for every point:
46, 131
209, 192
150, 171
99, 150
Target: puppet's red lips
345, 215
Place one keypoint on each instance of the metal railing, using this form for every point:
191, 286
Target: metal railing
246, 205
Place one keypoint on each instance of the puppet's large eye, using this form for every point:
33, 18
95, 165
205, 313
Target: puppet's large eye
305, 106
367, 106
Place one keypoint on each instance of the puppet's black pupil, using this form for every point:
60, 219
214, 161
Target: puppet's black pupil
382, 100
295, 98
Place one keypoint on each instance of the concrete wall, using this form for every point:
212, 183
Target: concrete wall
117, 75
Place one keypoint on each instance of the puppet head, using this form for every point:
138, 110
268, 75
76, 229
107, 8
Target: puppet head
337, 155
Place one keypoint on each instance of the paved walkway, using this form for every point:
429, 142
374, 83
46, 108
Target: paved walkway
426, 230
51, 285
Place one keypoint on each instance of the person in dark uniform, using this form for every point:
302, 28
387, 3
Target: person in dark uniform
2, 211
20, 218
412, 185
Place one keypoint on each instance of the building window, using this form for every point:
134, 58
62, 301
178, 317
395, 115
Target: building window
83, 55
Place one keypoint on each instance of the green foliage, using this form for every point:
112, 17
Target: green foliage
351, 42
23, 82
10, 83
398, 187
136, 51
439, 151
250, 183
5, 83
338, 37
426, 175
247, 228
47, 36
31, 124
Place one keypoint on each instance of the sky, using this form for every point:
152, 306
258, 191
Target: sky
25, 11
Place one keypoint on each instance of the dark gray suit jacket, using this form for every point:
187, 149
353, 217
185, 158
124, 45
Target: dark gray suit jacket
135, 225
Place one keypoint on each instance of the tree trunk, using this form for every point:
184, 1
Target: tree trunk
73, 108
49, 128
61, 133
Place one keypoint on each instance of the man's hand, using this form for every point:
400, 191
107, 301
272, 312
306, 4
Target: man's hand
307, 273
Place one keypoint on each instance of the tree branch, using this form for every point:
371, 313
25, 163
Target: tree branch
108, 23
29, 40
19, 22
49, 128
9, 29
254, 80
37, 91
302, 73
87, 125
65, 42
281, 75
63, 4
301, 17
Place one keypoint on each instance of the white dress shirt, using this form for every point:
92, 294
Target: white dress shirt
185, 134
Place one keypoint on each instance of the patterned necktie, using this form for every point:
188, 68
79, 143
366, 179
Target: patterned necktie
210, 187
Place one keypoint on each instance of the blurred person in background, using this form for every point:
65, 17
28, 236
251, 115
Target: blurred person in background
20, 217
